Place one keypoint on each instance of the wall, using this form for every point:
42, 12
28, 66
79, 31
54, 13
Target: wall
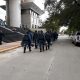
14, 13
26, 19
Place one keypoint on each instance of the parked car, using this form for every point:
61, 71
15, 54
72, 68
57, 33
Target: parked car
76, 38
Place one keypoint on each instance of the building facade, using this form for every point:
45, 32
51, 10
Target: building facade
23, 12
30, 13
30, 19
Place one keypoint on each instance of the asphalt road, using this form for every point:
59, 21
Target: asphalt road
61, 62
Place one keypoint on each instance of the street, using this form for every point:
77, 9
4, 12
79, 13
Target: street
61, 62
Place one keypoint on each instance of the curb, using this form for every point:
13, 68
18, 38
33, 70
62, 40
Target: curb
11, 48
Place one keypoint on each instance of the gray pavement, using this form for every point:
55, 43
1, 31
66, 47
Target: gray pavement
61, 62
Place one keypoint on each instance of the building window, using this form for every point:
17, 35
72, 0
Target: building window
32, 26
30, 11
33, 13
33, 20
36, 20
35, 26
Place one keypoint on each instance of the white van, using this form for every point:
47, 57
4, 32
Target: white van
76, 38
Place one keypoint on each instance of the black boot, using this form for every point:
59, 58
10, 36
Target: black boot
29, 49
43, 47
40, 50
46, 47
24, 49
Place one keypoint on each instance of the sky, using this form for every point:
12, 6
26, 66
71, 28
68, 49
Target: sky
2, 12
63, 28
2, 2
40, 3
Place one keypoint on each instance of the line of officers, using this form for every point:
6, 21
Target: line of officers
39, 39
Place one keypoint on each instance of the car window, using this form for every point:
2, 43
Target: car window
78, 33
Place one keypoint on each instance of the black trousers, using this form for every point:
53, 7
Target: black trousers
0, 42
27, 45
48, 45
36, 44
41, 45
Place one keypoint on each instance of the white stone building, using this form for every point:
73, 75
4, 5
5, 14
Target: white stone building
23, 12
30, 13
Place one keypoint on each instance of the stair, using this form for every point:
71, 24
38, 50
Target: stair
10, 35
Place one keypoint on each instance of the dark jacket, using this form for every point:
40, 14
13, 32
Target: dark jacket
35, 36
41, 38
47, 36
26, 39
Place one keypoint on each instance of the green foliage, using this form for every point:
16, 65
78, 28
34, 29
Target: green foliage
51, 23
63, 13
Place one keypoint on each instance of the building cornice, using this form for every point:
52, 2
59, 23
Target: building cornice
32, 6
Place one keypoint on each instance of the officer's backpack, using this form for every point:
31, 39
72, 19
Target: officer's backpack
41, 36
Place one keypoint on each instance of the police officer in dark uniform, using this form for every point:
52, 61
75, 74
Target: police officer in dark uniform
48, 39
35, 39
41, 40
26, 41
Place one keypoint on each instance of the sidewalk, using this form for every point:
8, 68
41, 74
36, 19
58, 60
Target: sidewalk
9, 46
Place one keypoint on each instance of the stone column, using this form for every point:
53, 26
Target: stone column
7, 14
14, 12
